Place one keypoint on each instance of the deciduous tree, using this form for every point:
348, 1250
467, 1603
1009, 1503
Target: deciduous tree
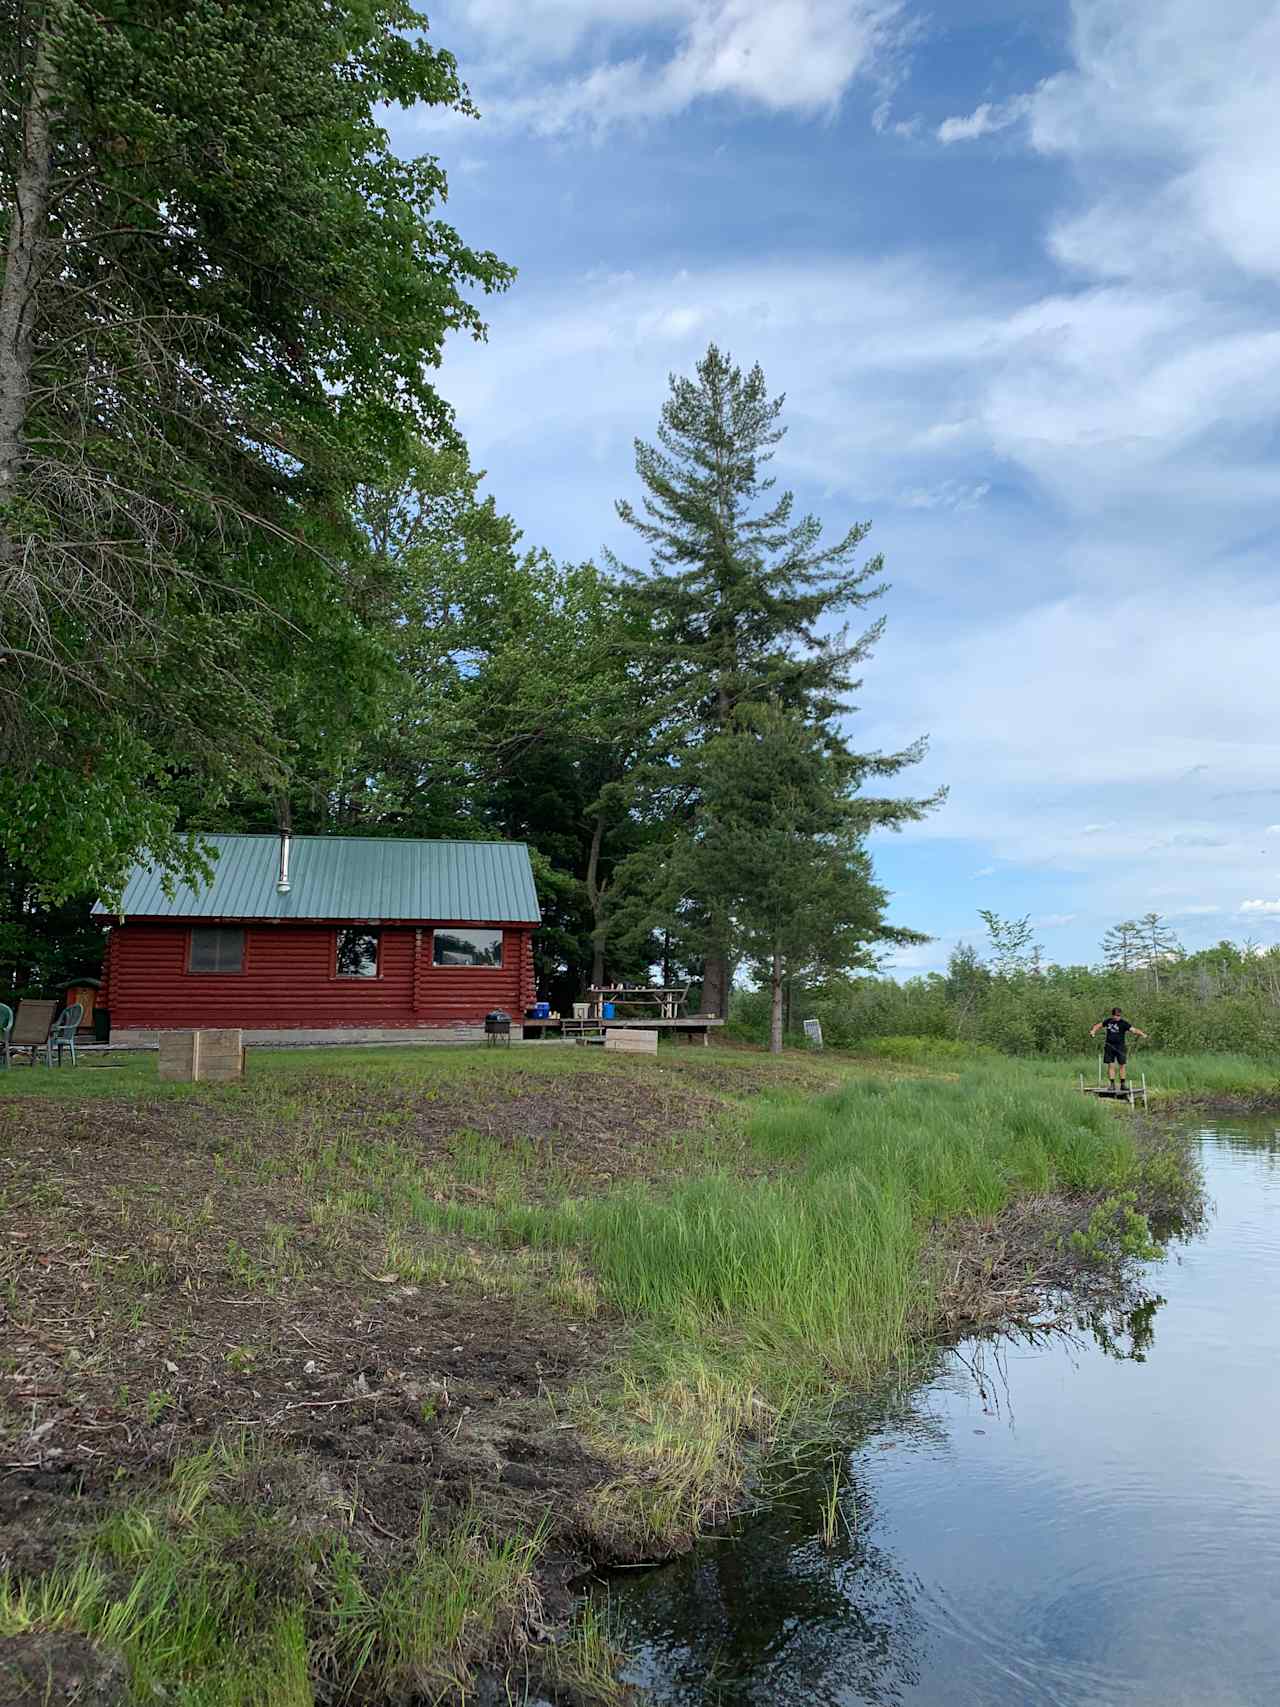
221, 299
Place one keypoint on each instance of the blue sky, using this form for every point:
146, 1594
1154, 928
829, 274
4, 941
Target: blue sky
1016, 265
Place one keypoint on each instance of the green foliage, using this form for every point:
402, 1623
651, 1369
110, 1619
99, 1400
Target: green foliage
740, 606
250, 293
738, 593
777, 856
1224, 998
1116, 1231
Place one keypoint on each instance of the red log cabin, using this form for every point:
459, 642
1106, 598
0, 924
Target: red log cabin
325, 938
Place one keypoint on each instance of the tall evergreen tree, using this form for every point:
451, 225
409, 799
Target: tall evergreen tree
1157, 945
742, 598
1121, 946
780, 852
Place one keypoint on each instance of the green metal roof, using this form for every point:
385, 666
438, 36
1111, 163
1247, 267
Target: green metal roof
348, 877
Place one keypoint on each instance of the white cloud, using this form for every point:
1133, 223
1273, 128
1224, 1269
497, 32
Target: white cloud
985, 871
1094, 829
947, 495
1260, 906
1272, 830
984, 120
1053, 921
1192, 912
1171, 117
555, 65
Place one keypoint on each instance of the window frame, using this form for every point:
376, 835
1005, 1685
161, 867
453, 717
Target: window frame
341, 977
473, 966
194, 971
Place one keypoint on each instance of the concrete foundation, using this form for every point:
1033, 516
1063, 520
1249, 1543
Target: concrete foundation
334, 1036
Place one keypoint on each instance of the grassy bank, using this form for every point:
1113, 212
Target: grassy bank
353, 1364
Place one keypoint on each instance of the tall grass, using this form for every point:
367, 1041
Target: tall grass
755, 1299
819, 1253
822, 1255
1204, 1074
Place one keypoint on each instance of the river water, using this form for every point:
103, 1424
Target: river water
1087, 1521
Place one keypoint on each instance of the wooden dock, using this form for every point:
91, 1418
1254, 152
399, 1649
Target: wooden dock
1131, 1093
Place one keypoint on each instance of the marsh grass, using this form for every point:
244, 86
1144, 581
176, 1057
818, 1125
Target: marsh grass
753, 1300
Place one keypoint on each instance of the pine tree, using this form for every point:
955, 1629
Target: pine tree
1120, 946
740, 594
780, 852
1156, 944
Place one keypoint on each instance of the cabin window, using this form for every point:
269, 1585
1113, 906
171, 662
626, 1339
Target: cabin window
357, 953
466, 948
216, 949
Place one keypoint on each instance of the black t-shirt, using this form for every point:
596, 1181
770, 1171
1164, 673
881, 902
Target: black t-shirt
1115, 1030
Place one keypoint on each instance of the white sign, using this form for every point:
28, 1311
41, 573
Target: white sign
813, 1031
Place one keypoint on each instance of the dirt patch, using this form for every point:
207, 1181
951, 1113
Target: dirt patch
177, 1271
55, 1670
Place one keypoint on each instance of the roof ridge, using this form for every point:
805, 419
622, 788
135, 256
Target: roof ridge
419, 841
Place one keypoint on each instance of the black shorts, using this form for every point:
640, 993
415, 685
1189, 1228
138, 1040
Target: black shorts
1111, 1053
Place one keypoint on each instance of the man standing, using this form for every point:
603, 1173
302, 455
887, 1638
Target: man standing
1115, 1050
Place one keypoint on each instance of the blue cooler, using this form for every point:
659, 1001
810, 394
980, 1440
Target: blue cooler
606, 1011
542, 1010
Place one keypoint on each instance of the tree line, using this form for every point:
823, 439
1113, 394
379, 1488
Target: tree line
1004, 995
250, 580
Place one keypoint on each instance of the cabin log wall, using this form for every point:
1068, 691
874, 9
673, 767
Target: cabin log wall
288, 981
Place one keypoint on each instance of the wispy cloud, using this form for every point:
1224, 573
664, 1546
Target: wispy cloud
1053, 921
947, 495
1260, 906
984, 120
559, 65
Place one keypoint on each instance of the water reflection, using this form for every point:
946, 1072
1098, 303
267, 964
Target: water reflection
1087, 1521
777, 1616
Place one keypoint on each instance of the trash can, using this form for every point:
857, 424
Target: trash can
102, 1025
606, 1012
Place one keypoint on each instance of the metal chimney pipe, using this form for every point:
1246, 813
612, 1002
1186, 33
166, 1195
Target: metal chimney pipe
282, 880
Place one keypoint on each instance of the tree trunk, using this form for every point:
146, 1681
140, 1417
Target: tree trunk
715, 986
26, 256
595, 900
775, 1005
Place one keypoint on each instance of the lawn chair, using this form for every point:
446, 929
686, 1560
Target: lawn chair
31, 1028
63, 1034
6, 1026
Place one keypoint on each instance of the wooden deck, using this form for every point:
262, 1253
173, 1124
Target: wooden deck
690, 1026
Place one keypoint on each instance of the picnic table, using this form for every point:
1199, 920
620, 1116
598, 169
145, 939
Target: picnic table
669, 999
